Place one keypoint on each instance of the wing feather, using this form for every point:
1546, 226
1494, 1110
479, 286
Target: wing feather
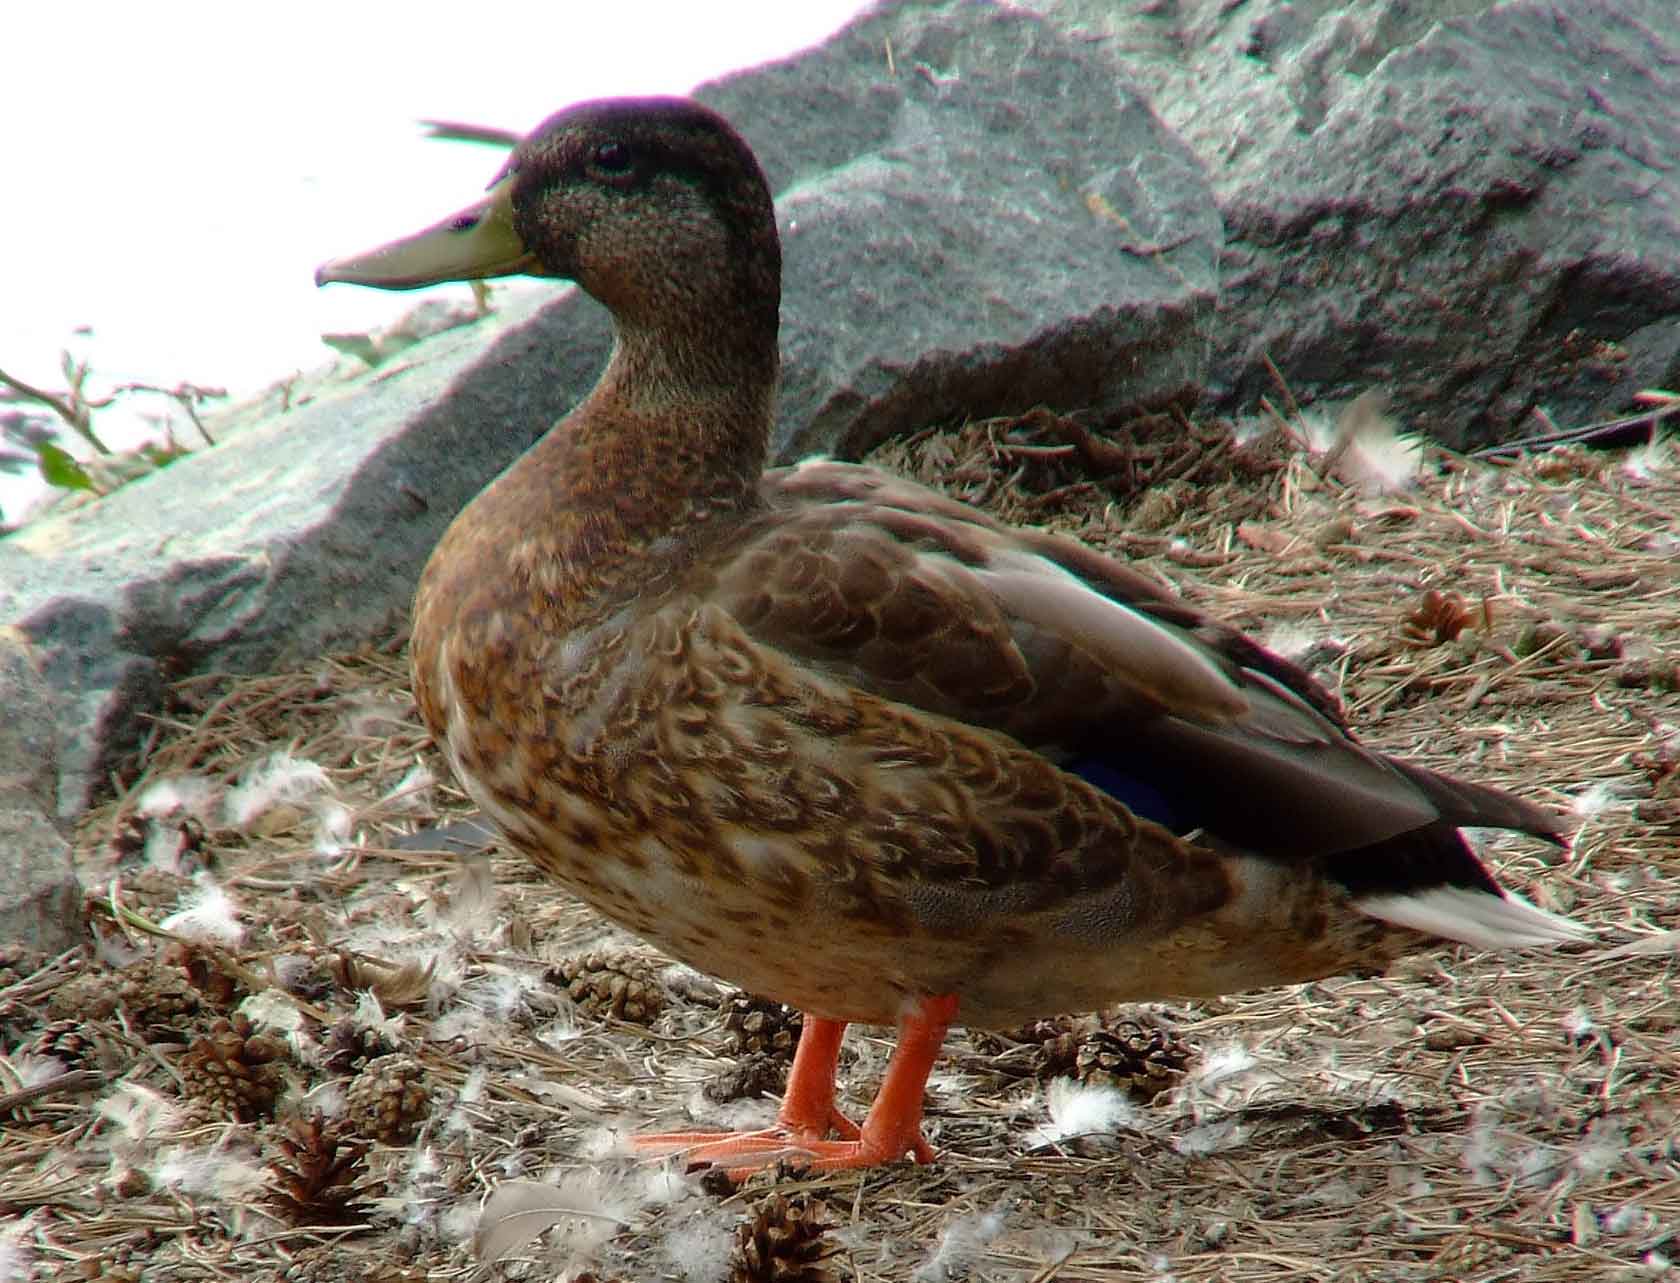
914, 597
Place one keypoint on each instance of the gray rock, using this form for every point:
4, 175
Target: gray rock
1473, 205
301, 532
40, 907
996, 221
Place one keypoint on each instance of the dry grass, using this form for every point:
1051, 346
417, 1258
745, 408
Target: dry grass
1466, 1117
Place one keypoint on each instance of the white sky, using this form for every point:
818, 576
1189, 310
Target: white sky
175, 171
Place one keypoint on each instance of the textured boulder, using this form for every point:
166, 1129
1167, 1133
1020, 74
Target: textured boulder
301, 532
39, 908
984, 209
980, 214
1472, 205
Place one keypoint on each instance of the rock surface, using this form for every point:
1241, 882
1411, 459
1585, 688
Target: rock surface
984, 209
1475, 206
39, 909
955, 245
302, 532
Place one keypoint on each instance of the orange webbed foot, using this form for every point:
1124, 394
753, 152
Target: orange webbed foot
808, 1115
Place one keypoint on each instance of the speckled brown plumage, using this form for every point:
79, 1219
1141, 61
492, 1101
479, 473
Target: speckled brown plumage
844, 741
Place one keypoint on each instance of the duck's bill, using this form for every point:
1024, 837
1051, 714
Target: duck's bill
471, 245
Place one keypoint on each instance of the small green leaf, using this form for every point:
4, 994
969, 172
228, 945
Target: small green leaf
59, 468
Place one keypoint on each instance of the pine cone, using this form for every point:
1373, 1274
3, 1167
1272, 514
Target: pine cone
760, 1027
232, 1070
1054, 1043
1469, 1254
389, 1100
318, 1179
612, 984
1142, 1059
66, 1041
351, 1046
1058, 1044
1436, 619
755, 1075
784, 1242
211, 970
152, 993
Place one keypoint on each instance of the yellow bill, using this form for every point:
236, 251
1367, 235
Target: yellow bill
473, 244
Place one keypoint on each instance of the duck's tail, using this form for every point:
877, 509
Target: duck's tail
1431, 880
1474, 916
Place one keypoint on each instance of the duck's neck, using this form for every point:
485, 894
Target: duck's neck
710, 395
673, 418
669, 445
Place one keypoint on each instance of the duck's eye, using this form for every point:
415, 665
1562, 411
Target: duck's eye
613, 160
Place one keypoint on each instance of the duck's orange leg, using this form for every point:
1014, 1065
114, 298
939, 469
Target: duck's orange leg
892, 1130
807, 1113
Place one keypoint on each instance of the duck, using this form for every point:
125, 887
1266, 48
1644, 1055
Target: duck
845, 741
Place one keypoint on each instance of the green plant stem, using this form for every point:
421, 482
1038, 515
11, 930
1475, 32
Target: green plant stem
73, 412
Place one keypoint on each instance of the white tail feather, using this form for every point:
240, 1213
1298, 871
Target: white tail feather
1475, 918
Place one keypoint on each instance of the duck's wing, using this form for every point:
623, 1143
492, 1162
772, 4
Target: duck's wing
905, 594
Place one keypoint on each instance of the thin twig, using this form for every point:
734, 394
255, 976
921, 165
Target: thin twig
74, 410
63, 1085
1608, 432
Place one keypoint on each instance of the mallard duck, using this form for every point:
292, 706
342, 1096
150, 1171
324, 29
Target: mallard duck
849, 743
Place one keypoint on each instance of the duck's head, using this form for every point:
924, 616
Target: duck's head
655, 206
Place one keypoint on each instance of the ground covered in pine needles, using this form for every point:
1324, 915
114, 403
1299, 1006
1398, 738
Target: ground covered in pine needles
324, 1029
